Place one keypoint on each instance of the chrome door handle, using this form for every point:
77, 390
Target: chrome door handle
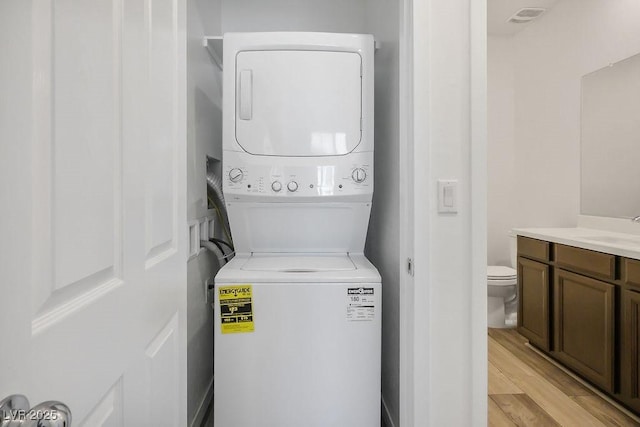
15, 412
636, 219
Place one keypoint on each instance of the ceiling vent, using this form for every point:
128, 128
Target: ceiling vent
525, 15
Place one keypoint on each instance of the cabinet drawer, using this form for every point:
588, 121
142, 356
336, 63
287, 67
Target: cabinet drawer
533, 248
632, 272
590, 262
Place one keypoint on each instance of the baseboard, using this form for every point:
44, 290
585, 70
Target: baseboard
208, 401
386, 416
203, 408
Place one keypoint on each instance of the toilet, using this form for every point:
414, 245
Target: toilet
502, 283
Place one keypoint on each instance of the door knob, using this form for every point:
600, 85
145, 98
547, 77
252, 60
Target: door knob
15, 412
11, 407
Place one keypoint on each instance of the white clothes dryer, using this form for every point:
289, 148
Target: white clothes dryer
298, 140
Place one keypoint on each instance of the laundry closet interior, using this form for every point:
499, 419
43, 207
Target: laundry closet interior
213, 18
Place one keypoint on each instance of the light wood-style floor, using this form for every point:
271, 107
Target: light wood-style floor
525, 389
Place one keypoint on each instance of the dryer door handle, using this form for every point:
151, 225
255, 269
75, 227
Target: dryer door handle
245, 95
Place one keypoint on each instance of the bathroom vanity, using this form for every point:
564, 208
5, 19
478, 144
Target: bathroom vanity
579, 302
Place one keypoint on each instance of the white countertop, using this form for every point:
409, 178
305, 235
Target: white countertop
622, 244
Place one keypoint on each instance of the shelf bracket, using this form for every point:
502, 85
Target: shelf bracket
214, 46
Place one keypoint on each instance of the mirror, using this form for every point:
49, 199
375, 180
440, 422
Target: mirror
610, 141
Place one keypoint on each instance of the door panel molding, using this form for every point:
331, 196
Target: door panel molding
77, 164
162, 365
77, 179
59, 306
110, 409
161, 227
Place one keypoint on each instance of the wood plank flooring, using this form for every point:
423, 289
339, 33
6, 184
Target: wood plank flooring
525, 389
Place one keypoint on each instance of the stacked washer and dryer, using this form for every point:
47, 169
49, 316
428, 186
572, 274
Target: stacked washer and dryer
298, 310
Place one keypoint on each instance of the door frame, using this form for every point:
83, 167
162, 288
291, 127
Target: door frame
418, 392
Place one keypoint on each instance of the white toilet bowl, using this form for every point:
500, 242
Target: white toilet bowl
502, 296
502, 283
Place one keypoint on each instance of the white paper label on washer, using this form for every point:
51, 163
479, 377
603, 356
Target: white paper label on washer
361, 304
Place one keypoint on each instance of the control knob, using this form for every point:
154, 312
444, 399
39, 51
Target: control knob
359, 175
236, 175
276, 186
292, 186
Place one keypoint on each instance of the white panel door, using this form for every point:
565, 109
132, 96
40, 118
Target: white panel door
92, 179
298, 102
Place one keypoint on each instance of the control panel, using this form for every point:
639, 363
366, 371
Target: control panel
314, 179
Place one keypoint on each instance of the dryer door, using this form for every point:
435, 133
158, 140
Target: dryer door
298, 103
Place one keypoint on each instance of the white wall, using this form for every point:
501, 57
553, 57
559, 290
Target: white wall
294, 15
550, 56
383, 246
204, 137
501, 148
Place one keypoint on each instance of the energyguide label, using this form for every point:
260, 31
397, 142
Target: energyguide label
361, 305
236, 308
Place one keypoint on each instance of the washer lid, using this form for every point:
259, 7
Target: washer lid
357, 269
500, 272
296, 263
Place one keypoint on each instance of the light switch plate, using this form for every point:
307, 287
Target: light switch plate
448, 195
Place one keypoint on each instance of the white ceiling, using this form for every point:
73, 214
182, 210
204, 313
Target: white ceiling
499, 11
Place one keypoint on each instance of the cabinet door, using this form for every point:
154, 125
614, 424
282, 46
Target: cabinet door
584, 326
630, 368
533, 304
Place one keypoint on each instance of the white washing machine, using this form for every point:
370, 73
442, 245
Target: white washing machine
298, 310
313, 356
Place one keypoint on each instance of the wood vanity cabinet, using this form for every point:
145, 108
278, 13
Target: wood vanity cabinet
582, 308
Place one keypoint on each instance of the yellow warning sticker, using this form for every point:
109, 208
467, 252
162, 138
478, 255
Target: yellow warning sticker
236, 308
